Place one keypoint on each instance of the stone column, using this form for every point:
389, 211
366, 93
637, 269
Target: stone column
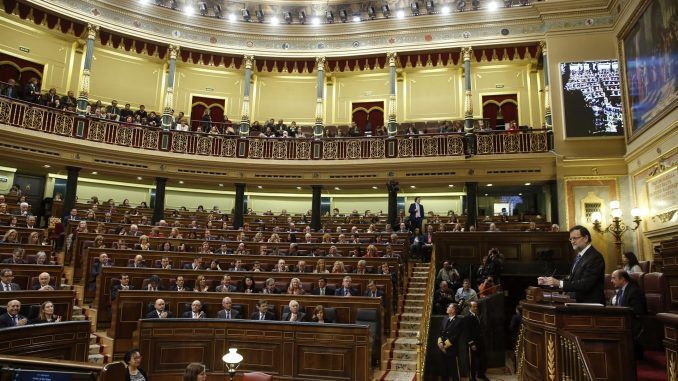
392, 101
471, 204
553, 191
83, 97
239, 207
392, 204
245, 120
319, 128
159, 207
548, 122
316, 223
169, 91
468, 103
71, 190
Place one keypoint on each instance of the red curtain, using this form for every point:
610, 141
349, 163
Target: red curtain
200, 104
372, 111
509, 108
18, 69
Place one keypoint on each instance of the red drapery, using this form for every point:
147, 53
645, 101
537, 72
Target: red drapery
215, 106
368, 111
509, 108
18, 69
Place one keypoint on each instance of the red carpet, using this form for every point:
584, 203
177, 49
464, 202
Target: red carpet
652, 367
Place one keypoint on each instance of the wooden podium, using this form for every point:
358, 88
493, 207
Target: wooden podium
560, 340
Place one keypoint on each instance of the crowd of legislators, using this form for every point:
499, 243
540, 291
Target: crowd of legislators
31, 92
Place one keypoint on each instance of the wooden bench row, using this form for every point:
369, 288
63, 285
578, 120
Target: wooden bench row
26, 276
63, 301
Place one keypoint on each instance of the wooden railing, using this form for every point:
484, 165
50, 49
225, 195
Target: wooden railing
422, 339
71, 370
573, 363
56, 122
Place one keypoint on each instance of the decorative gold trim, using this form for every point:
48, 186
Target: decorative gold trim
551, 358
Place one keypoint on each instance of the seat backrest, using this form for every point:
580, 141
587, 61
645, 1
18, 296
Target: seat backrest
638, 278
656, 289
330, 314
645, 266
609, 287
256, 376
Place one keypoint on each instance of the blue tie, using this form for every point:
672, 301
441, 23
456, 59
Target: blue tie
576, 262
620, 297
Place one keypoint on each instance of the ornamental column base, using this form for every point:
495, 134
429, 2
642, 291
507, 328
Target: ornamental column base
82, 104
244, 130
318, 129
392, 127
167, 119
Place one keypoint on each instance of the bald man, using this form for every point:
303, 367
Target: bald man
43, 283
12, 318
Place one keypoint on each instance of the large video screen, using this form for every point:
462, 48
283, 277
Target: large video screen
592, 98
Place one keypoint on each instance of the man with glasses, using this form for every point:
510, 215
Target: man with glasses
6, 278
587, 275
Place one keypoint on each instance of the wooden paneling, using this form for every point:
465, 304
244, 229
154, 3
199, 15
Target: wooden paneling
63, 341
114, 371
287, 351
63, 300
24, 273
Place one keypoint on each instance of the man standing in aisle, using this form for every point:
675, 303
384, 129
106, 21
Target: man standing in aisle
448, 343
416, 214
587, 276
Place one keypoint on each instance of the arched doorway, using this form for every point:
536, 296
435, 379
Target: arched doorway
372, 112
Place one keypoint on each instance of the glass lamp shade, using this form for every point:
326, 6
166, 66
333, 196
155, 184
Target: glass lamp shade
232, 358
636, 212
596, 216
616, 213
614, 205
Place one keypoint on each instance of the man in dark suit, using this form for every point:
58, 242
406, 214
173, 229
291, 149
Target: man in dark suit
226, 285
96, 269
159, 312
374, 292
179, 285
196, 265
196, 311
448, 343
124, 285
262, 312
322, 288
476, 344
6, 284
630, 295
11, 90
416, 214
12, 318
32, 91
294, 314
346, 289
228, 312
587, 277
269, 287
138, 262
72, 216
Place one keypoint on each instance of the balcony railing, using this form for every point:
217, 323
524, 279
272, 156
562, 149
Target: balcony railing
39, 118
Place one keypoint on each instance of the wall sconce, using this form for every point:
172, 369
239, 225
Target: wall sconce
617, 227
232, 359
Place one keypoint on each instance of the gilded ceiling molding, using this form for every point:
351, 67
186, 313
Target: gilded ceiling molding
426, 32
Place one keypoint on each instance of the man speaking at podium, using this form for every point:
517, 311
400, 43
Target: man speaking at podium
587, 276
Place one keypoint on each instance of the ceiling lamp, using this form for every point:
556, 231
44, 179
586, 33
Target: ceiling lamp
329, 16
343, 15
430, 7
217, 11
260, 15
274, 20
492, 6
302, 17
189, 10
415, 8
246, 14
371, 13
232, 17
287, 16
356, 18
315, 21
386, 10
400, 14
445, 10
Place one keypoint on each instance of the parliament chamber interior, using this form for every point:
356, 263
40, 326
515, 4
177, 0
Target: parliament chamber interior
343, 190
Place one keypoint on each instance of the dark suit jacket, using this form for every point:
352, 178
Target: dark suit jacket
474, 330
635, 299
269, 316
14, 93
231, 288
186, 288
235, 314
6, 320
450, 333
154, 315
116, 288
69, 218
341, 292
587, 281
189, 266
286, 316
12, 286
316, 291
189, 315
413, 211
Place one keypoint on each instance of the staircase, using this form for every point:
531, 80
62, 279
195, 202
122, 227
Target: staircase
399, 354
96, 353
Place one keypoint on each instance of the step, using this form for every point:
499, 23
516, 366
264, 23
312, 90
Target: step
78, 317
77, 310
392, 375
403, 365
410, 324
413, 309
97, 358
404, 355
95, 349
93, 339
405, 343
407, 333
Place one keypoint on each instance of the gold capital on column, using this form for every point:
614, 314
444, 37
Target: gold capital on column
249, 61
391, 58
320, 63
466, 53
92, 31
542, 45
173, 52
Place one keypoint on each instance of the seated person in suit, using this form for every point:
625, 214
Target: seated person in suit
262, 312
280, 267
179, 285
154, 284
228, 312
6, 284
165, 263
196, 311
346, 289
11, 318
300, 267
103, 261
43, 282
319, 315
295, 287
138, 262
17, 257
294, 314
124, 285
269, 287
226, 285
322, 288
374, 292
196, 265
237, 266
361, 267
159, 312
630, 295
442, 297
46, 314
